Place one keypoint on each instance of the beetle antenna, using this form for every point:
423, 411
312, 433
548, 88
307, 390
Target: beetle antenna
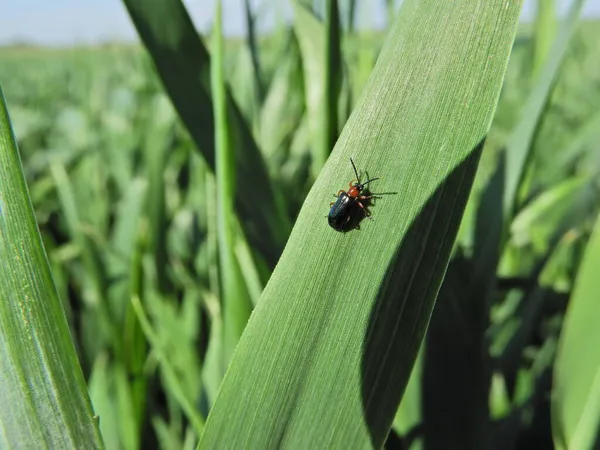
372, 179
355, 171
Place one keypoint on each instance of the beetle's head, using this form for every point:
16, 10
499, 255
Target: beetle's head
358, 185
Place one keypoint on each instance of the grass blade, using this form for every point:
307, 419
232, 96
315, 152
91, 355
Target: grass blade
320, 47
253, 48
545, 26
576, 390
344, 314
43, 391
182, 62
519, 146
168, 371
333, 77
587, 135
351, 15
284, 104
539, 219
235, 298
91, 257
157, 146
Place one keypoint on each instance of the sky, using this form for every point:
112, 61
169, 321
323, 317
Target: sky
69, 22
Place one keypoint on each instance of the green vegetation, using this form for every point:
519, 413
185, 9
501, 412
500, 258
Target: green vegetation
184, 264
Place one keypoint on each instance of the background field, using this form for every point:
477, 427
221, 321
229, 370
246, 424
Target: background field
127, 208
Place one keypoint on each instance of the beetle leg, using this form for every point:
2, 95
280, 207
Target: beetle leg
367, 214
340, 192
351, 184
331, 204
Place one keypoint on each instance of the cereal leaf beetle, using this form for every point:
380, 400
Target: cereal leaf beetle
340, 212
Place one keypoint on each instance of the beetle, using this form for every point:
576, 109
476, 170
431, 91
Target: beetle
340, 210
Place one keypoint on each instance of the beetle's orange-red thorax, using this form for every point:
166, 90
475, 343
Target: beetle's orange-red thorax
353, 192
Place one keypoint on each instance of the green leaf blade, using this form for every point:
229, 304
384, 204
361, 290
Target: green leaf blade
333, 78
576, 389
183, 63
235, 298
343, 314
44, 397
519, 146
